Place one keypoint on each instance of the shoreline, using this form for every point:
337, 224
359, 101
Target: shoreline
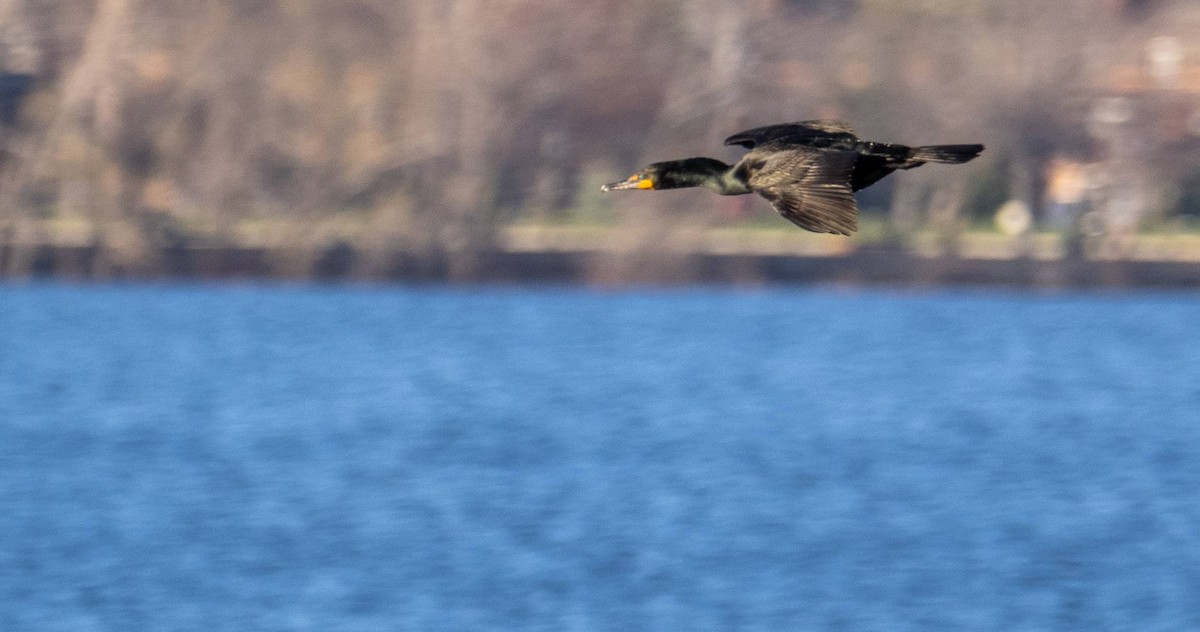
866, 266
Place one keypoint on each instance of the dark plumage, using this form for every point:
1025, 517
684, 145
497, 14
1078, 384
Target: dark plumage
809, 170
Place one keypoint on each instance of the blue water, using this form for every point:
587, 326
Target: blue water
250, 458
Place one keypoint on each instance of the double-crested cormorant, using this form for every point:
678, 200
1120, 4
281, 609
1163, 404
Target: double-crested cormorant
809, 170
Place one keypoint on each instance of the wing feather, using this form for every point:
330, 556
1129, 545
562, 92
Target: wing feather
810, 188
800, 131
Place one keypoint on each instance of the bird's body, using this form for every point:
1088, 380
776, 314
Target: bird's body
809, 170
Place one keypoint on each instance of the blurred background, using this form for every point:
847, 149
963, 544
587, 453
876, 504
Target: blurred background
384, 139
690, 414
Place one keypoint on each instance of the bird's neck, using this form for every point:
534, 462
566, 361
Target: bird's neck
703, 172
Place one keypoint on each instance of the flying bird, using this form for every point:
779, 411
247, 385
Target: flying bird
808, 171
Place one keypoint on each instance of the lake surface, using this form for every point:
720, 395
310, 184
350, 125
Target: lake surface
291, 458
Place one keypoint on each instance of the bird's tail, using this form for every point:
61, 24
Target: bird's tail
952, 154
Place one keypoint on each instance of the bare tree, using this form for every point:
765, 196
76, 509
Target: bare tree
423, 127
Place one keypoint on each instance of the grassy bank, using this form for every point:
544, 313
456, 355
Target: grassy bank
607, 254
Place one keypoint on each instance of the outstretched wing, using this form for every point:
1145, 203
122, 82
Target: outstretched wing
790, 132
809, 187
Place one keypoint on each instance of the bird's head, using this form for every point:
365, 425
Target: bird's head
644, 179
672, 174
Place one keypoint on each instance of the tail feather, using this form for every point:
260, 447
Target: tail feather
952, 154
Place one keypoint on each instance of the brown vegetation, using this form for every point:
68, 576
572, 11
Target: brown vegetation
423, 126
